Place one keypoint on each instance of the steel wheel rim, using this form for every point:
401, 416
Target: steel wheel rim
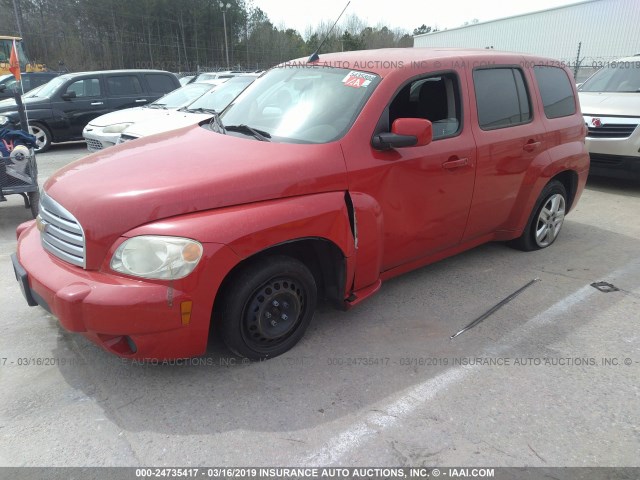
41, 136
273, 313
550, 220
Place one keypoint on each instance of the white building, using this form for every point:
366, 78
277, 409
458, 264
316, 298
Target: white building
604, 29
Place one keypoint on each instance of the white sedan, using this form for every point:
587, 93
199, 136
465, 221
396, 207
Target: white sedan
103, 131
201, 109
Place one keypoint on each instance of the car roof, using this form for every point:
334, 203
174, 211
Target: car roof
386, 60
102, 72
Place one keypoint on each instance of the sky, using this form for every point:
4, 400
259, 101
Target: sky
405, 14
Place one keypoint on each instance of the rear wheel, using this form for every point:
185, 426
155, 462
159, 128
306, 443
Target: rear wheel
546, 219
43, 137
267, 307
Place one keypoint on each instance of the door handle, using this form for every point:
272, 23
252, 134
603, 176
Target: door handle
97, 103
141, 100
530, 146
455, 163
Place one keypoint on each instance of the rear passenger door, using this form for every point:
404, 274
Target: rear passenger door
76, 104
125, 90
509, 139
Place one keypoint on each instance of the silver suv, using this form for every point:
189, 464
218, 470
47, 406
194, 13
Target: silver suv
610, 102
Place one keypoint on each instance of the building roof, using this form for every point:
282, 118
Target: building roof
570, 5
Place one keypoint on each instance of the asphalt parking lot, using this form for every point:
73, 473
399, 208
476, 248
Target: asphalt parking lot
551, 379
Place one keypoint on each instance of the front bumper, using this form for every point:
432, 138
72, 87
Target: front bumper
614, 146
128, 317
615, 166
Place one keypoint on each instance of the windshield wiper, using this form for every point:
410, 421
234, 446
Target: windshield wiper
157, 105
201, 110
259, 134
216, 124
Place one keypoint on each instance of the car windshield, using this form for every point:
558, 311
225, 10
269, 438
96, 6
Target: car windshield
181, 96
302, 104
622, 76
219, 97
52, 86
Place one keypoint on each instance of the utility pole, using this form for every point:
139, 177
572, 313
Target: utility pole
224, 8
18, 22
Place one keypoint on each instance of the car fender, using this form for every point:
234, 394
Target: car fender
570, 157
252, 228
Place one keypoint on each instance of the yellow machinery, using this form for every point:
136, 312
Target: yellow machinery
6, 43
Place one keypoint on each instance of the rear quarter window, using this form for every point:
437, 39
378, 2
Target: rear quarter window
124, 85
502, 98
556, 92
161, 83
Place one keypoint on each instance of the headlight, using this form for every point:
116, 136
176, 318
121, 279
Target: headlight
4, 120
157, 257
117, 128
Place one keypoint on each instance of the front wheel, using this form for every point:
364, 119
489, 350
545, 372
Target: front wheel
43, 137
267, 306
546, 219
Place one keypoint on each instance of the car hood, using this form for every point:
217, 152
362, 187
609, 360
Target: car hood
172, 120
184, 171
28, 102
610, 103
128, 115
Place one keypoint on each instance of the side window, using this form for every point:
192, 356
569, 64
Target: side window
501, 97
124, 85
12, 84
159, 83
435, 98
88, 87
556, 92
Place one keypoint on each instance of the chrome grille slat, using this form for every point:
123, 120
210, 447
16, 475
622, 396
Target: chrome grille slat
66, 236
60, 222
62, 235
612, 131
64, 246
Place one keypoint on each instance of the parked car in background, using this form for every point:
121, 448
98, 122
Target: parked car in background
217, 75
215, 100
187, 79
30, 80
610, 102
67, 103
317, 182
103, 131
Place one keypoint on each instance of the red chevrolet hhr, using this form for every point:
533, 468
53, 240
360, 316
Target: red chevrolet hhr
319, 181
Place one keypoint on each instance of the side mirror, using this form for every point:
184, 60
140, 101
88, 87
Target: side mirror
69, 95
405, 132
3, 87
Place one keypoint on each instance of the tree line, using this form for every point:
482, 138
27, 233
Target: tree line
179, 36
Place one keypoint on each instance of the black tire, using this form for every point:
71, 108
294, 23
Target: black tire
266, 307
546, 219
34, 202
43, 137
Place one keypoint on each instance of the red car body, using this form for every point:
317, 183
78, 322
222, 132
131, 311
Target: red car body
361, 214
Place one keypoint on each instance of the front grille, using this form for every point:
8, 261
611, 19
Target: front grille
61, 234
612, 130
93, 145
